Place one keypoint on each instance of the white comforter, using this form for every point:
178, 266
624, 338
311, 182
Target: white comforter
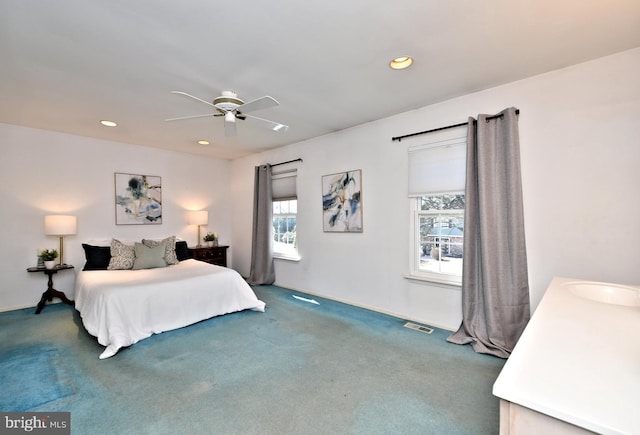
122, 307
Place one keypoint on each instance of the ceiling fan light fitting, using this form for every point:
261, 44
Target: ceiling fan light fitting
229, 117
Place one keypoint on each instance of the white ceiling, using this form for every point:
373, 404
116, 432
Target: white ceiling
67, 64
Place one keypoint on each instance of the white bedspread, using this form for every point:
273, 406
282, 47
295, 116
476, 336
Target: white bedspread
122, 307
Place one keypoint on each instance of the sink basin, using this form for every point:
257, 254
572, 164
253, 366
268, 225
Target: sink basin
606, 293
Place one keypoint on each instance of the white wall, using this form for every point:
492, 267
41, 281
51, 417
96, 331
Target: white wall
580, 161
43, 172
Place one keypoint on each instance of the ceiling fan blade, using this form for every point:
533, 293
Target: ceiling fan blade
271, 125
191, 96
258, 104
229, 129
190, 117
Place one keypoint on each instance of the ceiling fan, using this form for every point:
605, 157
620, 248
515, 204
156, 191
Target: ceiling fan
231, 107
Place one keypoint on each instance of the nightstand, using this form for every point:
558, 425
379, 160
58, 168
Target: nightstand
50, 292
214, 255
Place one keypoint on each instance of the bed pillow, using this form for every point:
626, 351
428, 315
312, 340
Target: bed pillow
149, 257
122, 256
97, 257
99, 242
182, 251
107, 242
170, 249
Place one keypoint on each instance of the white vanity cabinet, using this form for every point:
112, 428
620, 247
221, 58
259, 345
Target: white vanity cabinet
576, 368
518, 420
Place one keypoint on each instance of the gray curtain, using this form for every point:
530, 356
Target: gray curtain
262, 268
495, 284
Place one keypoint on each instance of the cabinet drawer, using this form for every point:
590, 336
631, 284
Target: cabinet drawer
214, 255
211, 254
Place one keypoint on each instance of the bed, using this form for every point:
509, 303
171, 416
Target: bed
123, 306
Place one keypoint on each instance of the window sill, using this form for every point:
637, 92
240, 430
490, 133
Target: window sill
286, 258
434, 280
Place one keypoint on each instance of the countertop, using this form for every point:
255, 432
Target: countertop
578, 361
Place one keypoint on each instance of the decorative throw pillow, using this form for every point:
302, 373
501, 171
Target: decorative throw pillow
97, 257
182, 250
149, 257
170, 250
122, 256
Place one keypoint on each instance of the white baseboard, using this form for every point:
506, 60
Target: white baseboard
367, 307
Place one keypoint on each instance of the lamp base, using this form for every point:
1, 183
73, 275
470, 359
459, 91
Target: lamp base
61, 250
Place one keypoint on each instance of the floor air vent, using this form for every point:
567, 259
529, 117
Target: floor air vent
418, 327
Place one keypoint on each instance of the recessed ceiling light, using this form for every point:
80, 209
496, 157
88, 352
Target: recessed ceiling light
203, 142
401, 62
108, 123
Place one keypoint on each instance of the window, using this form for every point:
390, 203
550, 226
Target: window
285, 214
441, 233
437, 201
284, 228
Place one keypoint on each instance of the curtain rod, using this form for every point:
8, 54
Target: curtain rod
284, 163
399, 138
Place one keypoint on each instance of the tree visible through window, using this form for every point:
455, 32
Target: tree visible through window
440, 220
284, 227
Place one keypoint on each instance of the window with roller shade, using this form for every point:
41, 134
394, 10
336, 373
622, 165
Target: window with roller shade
436, 199
285, 209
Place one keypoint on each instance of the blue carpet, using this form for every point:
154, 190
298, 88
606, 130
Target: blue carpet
298, 368
31, 376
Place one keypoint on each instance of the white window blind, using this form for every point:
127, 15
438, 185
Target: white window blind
437, 167
283, 185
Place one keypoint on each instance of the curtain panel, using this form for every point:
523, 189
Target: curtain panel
262, 267
495, 287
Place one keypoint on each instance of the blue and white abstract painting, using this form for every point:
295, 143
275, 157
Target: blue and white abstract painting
138, 199
342, 202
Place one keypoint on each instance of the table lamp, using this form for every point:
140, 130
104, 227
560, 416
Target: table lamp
58, 225
199, 218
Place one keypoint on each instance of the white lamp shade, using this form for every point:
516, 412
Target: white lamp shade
57, 225
198, 217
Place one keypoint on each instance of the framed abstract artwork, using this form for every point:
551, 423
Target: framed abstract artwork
342, 202
138, 199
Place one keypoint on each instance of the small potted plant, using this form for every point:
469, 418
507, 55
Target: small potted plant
211, 239
49, 257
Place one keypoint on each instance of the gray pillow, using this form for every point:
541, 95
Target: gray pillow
122, 256
149, 257
170, 250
